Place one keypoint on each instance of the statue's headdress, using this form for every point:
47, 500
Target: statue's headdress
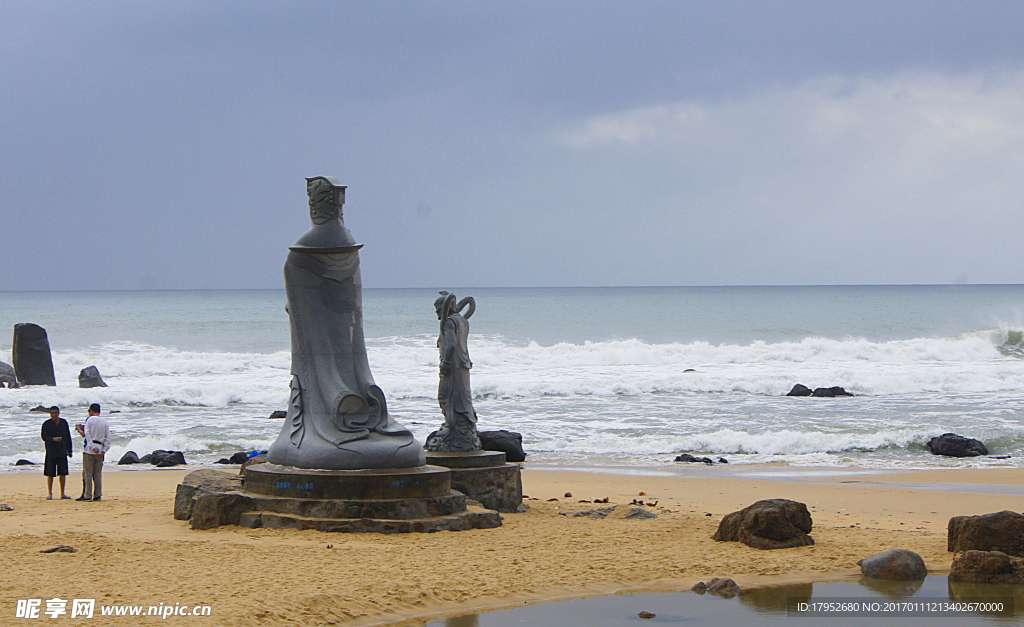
328, 235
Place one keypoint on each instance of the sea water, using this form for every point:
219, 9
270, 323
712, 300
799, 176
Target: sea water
599, 377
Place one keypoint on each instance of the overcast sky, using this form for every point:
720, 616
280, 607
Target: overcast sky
164, 145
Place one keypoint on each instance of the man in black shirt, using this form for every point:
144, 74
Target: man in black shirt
57, 436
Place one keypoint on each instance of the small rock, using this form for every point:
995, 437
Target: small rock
686, 457
24, 462
894, 565
724, 587
646, 615
800, 390
40, 408
90, 377
722, 460
278, 414
700, 587
129, 458
831, 392
60, 548
568, 495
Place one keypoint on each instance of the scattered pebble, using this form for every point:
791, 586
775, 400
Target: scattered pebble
568, 495
646, 615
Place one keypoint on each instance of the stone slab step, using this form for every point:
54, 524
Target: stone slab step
474, 518
390, 509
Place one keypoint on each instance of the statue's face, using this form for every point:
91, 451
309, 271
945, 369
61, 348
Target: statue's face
322, 206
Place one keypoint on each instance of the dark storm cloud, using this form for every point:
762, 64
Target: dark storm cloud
164, 145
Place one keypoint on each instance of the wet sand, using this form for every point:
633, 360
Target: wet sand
131, 550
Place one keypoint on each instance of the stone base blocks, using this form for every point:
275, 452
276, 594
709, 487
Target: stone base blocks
484, 477
279, 497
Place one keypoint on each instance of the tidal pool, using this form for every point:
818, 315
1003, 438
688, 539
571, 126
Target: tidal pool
934, 601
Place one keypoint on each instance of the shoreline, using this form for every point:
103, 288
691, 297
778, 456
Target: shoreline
131, 550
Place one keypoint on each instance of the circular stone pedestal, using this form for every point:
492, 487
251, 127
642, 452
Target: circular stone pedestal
398, 500
349, 485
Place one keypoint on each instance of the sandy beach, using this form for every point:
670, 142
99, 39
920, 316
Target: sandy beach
131, 551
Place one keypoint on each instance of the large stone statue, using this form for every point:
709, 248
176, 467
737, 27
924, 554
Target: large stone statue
458, 434
337, 416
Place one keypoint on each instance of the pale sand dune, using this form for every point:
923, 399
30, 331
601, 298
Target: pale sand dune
131, 551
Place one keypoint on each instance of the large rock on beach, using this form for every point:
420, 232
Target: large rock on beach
129, 458
987, 567
278, 414
508, 442
768, 524
894, 565
24, 462
953, 445
1002, 531
90, 377
8, 376
31, 355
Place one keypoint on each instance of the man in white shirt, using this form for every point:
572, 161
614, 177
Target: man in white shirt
96, 432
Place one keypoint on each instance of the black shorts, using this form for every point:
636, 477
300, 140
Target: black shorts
55, 465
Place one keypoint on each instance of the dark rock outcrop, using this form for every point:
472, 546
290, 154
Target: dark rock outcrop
164, 459
894, 565
768, 524
41, 409
31, 355
8, 376
508, 442
987, 567
129, 458
1002, 531
686, 457
953, 445
238, 458
799, 390
831, 392
90, 377
24, 462
278, 414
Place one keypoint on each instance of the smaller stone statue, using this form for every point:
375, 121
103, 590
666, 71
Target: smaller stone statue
458, 434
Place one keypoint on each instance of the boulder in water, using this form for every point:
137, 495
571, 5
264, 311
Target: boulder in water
7, 376
90, 377
953, 445
31, 355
